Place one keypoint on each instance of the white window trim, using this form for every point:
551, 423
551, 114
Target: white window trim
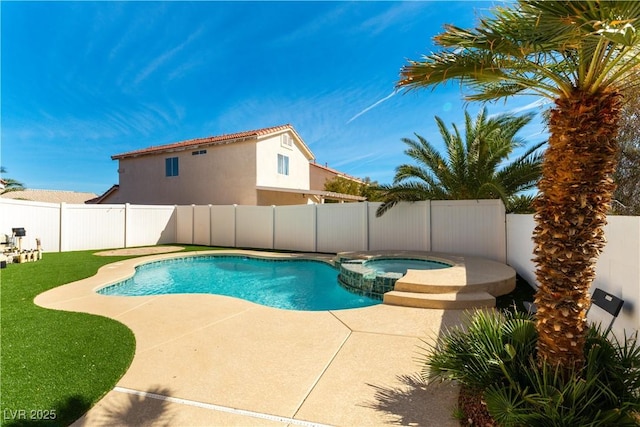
286, 141
283, 165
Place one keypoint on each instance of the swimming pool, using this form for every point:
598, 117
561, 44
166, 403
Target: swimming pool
288, 284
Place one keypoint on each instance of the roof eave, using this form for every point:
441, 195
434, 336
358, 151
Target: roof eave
161, 149
321, 193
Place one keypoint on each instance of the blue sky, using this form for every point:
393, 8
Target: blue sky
82, 81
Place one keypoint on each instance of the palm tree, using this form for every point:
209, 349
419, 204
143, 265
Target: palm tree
474, 166
9, 184
579, 54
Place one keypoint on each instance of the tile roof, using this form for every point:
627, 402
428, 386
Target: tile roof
101, 198
336, 172
211, 140
50, 196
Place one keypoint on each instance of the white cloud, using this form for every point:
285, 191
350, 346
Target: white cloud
166, 56
318, 25
399, 14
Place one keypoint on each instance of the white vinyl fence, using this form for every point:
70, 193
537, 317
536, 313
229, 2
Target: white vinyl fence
617, 271
72, 227
40, 220
463, 227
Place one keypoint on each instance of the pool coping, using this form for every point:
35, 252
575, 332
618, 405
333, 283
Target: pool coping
211, 359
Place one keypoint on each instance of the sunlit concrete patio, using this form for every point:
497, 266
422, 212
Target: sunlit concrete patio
215, 360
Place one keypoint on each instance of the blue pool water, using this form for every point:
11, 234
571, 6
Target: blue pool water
401, 265
287, 284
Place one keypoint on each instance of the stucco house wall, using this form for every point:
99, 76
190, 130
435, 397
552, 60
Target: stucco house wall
268, 198
319, 175
143, 179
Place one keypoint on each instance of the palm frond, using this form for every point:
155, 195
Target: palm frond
10, 184
405, 192
472, 165
543, 47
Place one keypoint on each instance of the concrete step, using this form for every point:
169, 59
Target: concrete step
450, 280
458, 301
404, 285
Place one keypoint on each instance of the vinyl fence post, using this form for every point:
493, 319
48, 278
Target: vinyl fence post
175, 223
367, 219
210, 225
62, 231
315, 224
273, 226
366, 225
193, 224
126, 224
235, 221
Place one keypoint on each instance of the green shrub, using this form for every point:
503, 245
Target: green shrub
494, 353
478, 353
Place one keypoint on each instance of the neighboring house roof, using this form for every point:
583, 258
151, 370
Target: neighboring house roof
218, 140
101, 198
50, 196
336, 172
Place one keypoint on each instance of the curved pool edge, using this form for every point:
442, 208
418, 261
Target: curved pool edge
119, 271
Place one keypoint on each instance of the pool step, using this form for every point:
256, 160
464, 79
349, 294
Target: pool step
449, 300
496, 279
405, 285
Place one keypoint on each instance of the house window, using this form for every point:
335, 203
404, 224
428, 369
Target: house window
283, 164
171, 166
198, 152
286, 141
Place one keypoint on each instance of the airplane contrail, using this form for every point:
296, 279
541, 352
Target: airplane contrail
371, 107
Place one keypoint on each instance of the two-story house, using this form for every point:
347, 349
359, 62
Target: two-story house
271, 166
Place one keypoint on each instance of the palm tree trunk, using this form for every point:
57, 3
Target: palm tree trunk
576, 188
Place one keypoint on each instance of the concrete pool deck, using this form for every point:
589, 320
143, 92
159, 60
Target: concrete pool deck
215, 360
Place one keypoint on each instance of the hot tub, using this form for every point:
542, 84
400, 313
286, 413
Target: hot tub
374, 276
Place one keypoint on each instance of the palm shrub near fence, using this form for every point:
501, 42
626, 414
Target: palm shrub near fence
476, 165
493, 357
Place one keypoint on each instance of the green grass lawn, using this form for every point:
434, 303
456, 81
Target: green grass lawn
56, 363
